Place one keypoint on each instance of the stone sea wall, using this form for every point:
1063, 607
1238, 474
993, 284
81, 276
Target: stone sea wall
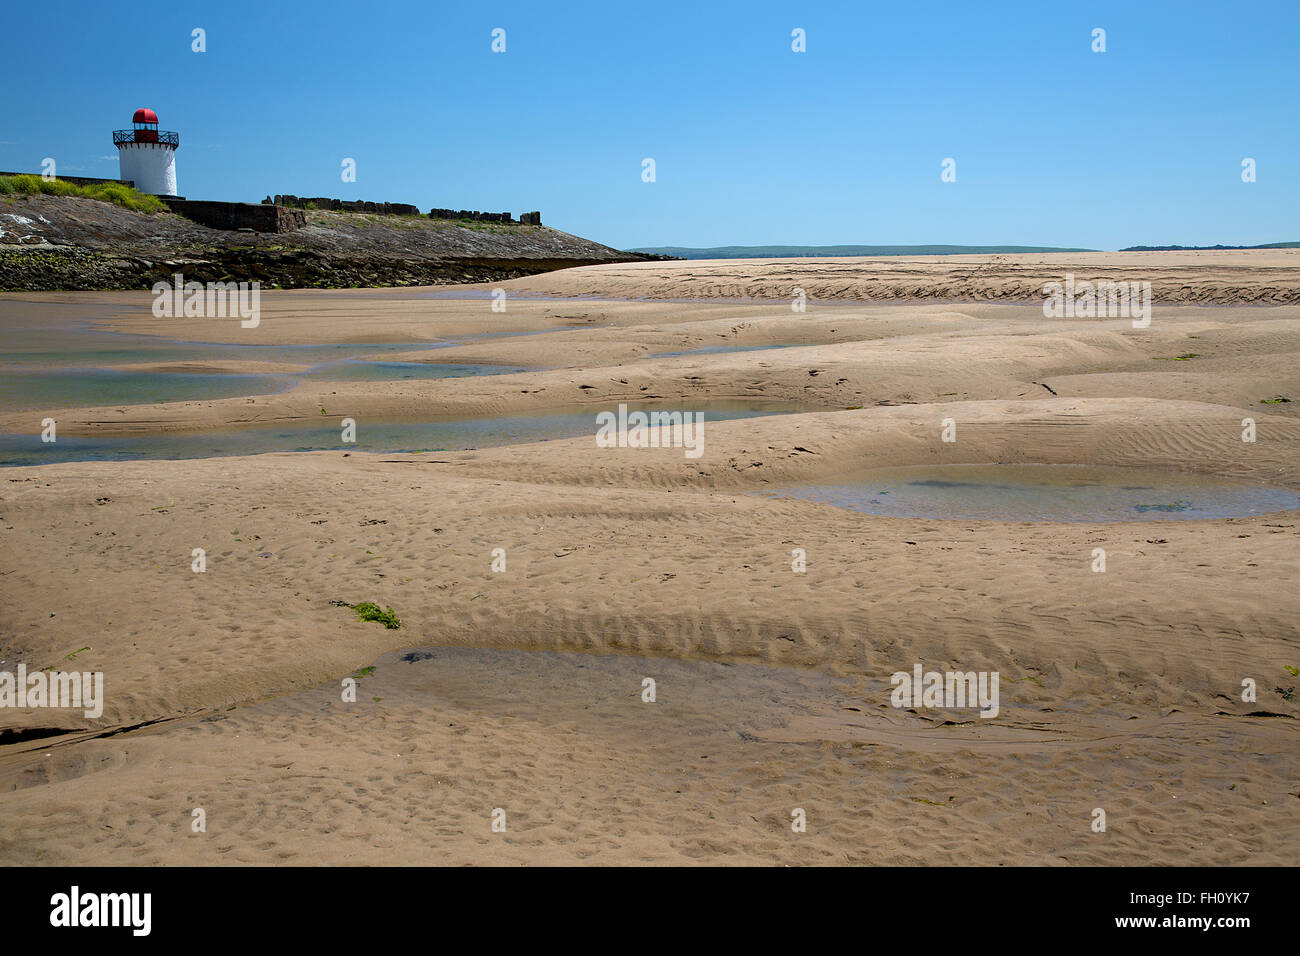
398, 209
74, 242
238, 216
48, 268
344, 205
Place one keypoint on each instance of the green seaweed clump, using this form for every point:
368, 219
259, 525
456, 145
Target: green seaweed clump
1175, 506
366, 611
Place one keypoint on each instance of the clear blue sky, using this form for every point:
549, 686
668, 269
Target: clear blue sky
754, 144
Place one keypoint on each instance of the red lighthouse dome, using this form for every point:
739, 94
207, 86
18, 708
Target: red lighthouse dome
145, 116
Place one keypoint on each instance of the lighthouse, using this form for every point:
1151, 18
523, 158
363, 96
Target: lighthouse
147, 156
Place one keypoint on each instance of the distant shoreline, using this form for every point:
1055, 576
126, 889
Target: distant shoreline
800, 252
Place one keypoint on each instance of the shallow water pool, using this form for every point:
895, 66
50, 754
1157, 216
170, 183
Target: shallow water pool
26, 390
388, 437
359, 370
1044, 493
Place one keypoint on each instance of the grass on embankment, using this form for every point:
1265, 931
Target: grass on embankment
115, 193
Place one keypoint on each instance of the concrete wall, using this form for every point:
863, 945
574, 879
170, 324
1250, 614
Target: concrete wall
260, 217
345, 205
470, 214
397, 209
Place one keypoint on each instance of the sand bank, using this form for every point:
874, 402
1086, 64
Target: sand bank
1121, 690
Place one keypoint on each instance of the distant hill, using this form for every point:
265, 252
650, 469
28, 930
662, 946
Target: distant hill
795, 252
1267, 245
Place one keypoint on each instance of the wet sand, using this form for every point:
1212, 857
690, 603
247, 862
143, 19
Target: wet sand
1120, 690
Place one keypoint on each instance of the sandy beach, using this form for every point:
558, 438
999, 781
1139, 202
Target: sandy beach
521, 688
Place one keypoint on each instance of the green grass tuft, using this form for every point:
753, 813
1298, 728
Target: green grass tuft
115, 193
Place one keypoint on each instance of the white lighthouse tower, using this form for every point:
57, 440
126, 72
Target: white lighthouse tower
147, 156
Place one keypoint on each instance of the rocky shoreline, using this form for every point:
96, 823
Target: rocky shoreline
54, 243
49, 268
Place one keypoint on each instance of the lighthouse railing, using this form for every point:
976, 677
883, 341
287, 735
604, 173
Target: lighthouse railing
124, 136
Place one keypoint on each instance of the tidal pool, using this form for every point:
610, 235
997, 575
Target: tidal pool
51, 358
358, 370
1044, 493
386, 437
27, 389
